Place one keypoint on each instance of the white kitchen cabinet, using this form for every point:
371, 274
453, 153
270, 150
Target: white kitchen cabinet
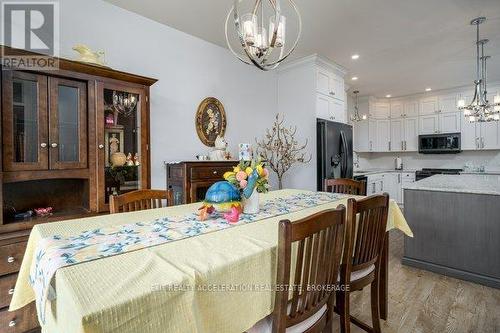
383, 135
447, 103
410, 108
374, 184
361, 137
406, 178
329, 108
397, 135
428, 106
449, 122
397, 109
480, 136
410, 134
372, 134
381, 110
329, 84
429, 124
392, 185
490, 135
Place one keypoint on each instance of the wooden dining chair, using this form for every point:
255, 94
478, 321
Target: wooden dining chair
344, 185
139, 200
319, 241
361, 259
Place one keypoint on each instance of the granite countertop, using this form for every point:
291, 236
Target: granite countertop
375, 171
464, 183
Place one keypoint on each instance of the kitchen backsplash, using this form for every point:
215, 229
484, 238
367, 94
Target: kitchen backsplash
490, 160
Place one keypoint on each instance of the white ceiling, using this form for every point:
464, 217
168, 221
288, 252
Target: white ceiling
404, 45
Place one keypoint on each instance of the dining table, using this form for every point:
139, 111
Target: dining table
220, 281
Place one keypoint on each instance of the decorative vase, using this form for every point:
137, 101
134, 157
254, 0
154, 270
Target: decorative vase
118, 159
251, 205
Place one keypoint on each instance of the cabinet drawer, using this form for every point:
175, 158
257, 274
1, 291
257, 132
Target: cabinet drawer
19, 321
207, 173
7, 284
11, 257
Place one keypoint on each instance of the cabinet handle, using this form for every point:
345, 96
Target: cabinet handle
373, 187
332, 93
10, 260
371, 146
389, 145
53, 145
482, 142
101, 146
43, 145
405, 145
477, 143
11, 291
402, 145
12, 323
399, 178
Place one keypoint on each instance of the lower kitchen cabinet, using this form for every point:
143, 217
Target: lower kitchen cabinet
389, 182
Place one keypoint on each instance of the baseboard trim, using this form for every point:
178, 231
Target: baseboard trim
452, 272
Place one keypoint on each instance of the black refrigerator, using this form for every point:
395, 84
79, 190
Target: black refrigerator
334, 150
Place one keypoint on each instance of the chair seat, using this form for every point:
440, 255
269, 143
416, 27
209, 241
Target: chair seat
266, 325
359, 274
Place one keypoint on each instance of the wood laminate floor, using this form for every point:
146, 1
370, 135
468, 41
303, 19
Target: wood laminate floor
424, 302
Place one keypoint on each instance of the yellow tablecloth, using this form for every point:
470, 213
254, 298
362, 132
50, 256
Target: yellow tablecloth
127, 293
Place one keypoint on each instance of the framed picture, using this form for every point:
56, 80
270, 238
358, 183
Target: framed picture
114, 142
210, 121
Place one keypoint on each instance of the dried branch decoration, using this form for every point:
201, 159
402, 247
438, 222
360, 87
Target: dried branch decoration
280, 150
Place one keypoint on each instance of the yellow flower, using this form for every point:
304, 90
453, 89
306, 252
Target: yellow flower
236, 169
248, 170
228, 174
260, 169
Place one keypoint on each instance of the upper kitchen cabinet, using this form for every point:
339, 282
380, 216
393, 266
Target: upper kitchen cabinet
480, 136
312, 83
361, 136
382, 110
428, 105
397, 109
329, 83
449, 122
447, 103
383, 136
410, 108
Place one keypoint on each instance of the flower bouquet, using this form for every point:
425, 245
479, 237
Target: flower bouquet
251, 178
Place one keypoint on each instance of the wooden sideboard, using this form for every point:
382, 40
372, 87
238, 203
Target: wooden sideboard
190, 180
57, 127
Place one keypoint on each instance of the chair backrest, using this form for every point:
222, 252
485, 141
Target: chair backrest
367, 221
318, 240
139, 200
343, 185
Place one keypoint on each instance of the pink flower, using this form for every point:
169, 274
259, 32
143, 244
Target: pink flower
233, 216
243, 183
266, 173
241, 175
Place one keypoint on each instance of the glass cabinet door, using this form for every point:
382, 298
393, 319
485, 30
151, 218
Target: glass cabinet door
122, 141
24, 121
68, 124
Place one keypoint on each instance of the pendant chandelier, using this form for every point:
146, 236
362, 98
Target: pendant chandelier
480, 109
262, 48
124, 103
355, 116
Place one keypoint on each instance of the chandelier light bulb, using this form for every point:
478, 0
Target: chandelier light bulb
260, 47
472, 119
466, 112
496, 99
461, 103
364, 117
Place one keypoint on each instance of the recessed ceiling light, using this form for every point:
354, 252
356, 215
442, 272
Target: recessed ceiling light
355, 56
354, 78
388, 96
428, 89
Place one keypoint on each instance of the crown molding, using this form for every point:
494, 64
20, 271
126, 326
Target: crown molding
315, 59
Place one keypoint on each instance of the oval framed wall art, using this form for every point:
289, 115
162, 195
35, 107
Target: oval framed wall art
210, 120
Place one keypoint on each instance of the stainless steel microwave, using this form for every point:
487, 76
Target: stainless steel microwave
443, 143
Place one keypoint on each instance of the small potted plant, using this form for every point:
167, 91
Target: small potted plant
251, 178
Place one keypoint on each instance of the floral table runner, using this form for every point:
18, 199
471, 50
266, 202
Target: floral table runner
57, 251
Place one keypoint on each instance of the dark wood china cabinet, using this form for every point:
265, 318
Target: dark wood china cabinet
60, 131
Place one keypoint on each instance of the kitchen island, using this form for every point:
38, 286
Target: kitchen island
456, 223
